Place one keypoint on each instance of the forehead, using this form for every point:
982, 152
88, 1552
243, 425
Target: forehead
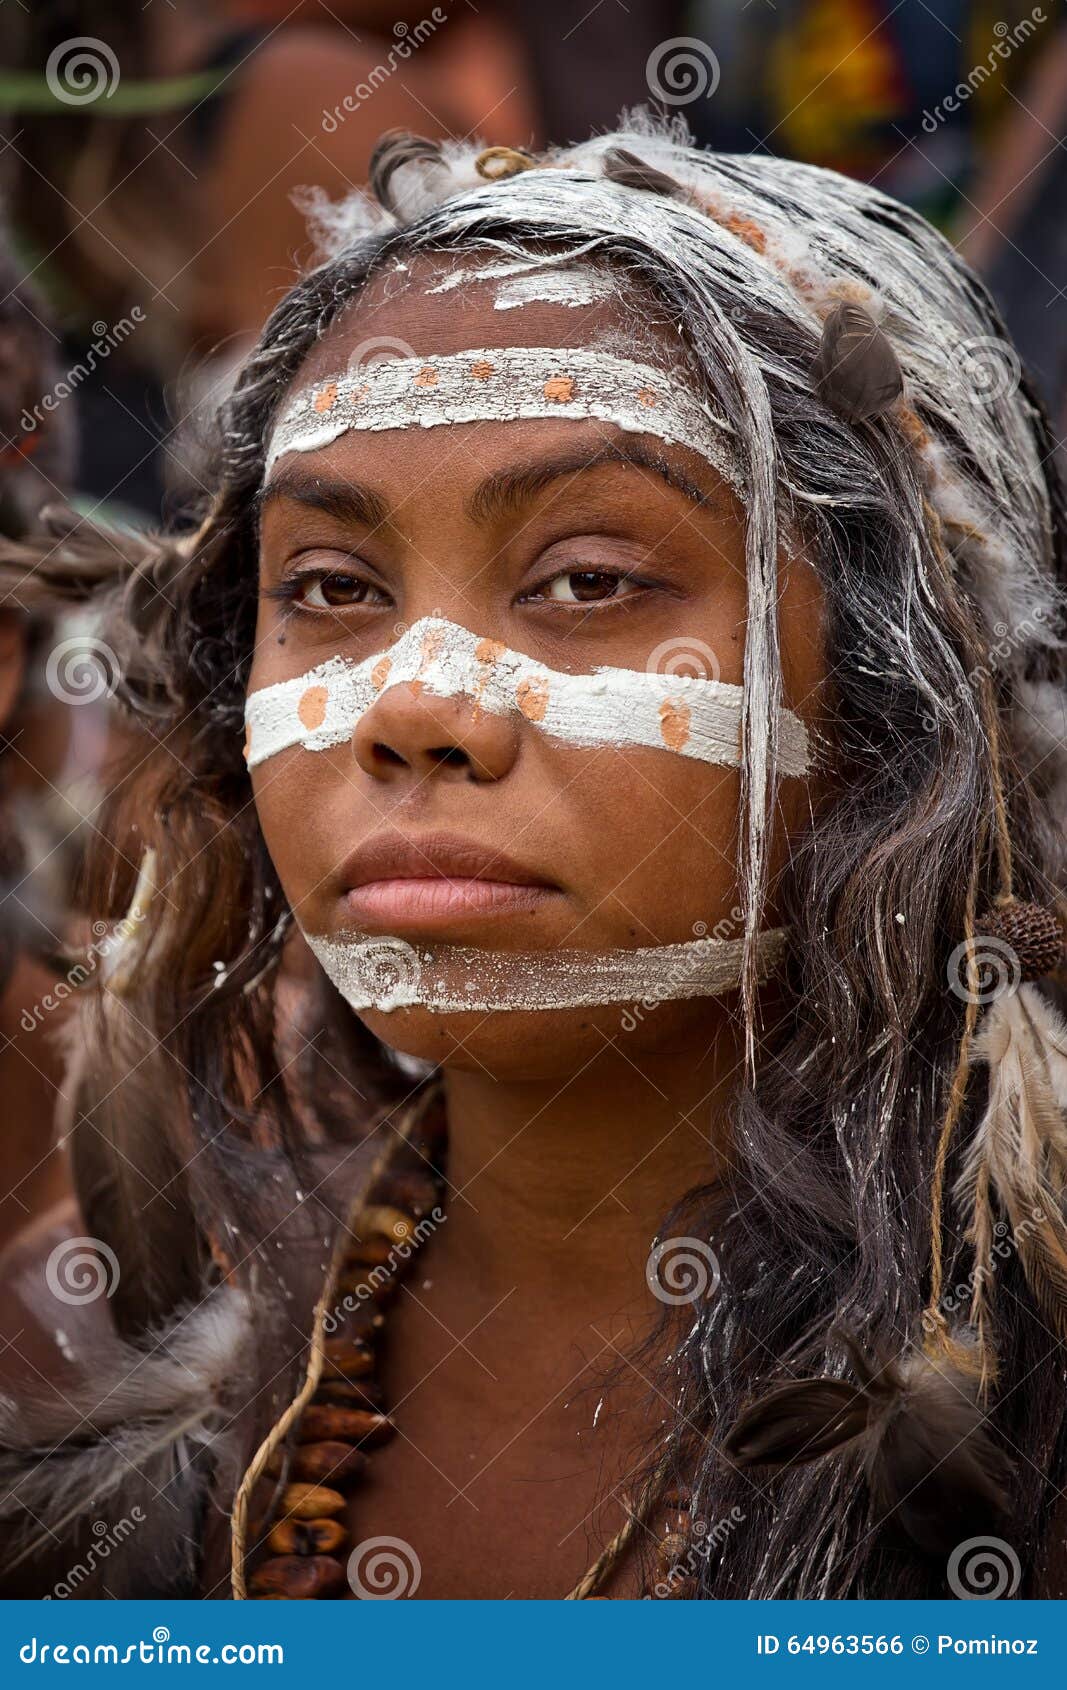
448, 302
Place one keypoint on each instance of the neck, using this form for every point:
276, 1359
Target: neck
563, 1183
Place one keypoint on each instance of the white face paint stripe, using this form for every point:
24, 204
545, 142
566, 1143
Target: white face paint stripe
619, 707
504, 384
388, 974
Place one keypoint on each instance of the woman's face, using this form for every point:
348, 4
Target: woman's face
578, 544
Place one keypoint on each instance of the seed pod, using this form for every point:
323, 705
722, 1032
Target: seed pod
374, 1287
356, 1425
366, 1394
368, 1252
328, 1463
411, 1189
350, 1358
307, 1537
672, 1549
311, 1502
1031, 931
390, 1223
682, 1589
365, 1321
298, 1577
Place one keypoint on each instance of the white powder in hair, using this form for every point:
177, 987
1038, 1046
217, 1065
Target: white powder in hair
388, 974
555, 287
690, 716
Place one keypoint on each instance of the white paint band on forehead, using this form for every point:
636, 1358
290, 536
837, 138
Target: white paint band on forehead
505, 384
693, 717
388, 974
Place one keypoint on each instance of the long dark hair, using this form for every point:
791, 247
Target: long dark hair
937, 532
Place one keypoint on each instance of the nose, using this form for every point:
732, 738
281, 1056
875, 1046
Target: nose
410, 731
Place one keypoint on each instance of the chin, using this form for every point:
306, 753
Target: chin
545, 1044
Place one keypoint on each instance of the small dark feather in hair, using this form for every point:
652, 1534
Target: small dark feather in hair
632, 172
394, 149
856, 370
933, 1470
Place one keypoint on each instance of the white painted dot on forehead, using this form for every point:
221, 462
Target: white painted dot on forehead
506, 384
693, 717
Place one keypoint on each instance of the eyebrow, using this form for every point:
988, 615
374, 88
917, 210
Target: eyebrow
348, 501
506, 489
499, 494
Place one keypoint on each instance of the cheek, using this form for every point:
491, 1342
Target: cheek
654, 842
298, 798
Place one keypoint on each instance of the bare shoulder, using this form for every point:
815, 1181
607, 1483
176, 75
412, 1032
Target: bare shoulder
54, 1305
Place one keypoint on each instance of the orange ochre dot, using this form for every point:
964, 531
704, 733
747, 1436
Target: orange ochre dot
312, 707
532, 699
427, 377
646, 396
559, 388
482, 370
326, 398
380, 673
674, 719
487, 651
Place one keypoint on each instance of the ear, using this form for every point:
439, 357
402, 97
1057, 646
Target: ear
12, 661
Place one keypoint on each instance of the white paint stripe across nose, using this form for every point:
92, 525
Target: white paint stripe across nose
689, 716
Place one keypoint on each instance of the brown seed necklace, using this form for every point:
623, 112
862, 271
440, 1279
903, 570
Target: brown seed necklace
315, 1451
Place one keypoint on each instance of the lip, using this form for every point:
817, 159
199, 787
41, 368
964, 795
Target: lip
394, 882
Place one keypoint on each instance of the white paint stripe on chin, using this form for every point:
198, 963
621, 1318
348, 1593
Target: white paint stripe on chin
689, 716
387, 974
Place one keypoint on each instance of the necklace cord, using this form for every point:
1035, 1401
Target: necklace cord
316, 1357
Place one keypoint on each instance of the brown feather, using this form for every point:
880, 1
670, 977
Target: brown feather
629, 171
856, 370
394, 149
933, 1471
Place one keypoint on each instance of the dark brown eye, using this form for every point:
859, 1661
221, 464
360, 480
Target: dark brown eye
585, 586
338, 592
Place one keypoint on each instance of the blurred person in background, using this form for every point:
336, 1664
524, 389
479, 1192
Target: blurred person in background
34, 467
563, 70
1015, 233
150, 173
868, 87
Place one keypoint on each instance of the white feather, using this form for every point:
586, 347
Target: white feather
147, 1431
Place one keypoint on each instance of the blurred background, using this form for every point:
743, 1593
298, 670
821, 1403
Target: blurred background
149, 155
